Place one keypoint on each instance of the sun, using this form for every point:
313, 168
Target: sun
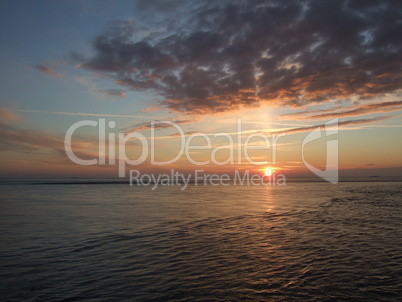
268, 171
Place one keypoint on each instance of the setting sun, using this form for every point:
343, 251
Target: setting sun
268, 171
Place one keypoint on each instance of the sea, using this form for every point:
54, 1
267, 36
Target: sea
105, 241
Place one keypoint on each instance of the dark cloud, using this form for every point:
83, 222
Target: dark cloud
158, 5
222, 55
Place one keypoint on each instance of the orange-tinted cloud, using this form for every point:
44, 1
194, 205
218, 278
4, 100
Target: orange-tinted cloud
340, 124
115, 93
161, 124
188, 133
352, 111
45, 69
15, 139
7, 116
150, 109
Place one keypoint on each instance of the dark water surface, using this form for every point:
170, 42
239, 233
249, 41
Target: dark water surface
302, 242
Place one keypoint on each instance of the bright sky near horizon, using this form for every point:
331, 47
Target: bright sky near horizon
279, 66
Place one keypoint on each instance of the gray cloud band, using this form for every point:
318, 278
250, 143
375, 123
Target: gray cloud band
242, 53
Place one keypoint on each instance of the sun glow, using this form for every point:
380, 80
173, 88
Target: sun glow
268, 171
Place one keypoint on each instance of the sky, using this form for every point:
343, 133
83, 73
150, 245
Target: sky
281, 68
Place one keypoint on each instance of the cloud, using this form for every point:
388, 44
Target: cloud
233, 54
340, 124
8, 116
150, 109
352, 111
116, 93
45, 69
82, 114
188, 133
15, 139
161, 124
286, 131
